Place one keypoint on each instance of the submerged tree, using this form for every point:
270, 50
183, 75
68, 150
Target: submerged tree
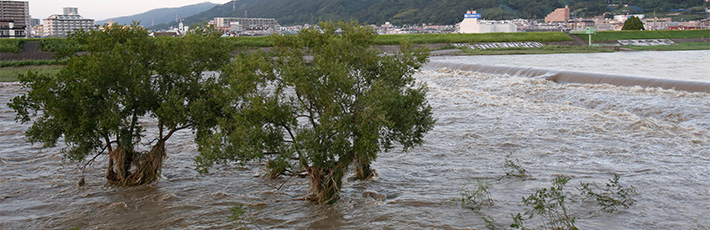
104, 100
321, 101
633, 23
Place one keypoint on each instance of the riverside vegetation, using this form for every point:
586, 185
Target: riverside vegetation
549, 205
96, 101
342, 105
319, 103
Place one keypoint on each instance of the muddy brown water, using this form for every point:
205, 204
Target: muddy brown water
657, 140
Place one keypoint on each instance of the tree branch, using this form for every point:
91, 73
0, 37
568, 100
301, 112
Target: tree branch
95, 156
175, 130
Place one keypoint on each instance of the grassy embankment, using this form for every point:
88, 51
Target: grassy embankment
10, 45
396, 39
10, 69
46, 44
602, 36
676, 46
608, 36
544, 50
10, 74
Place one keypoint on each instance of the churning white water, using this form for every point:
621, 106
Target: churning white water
657, 140
692, 65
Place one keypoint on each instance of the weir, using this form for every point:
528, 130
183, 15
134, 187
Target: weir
576, 77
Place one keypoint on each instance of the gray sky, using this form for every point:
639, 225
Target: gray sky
103, 9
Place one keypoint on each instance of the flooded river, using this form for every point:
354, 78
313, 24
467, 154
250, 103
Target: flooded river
657, 140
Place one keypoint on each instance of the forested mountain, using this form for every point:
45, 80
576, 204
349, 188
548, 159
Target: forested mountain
289, 12
162, 15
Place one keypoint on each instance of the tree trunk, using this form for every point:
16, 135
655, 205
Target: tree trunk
362, 169
326, 183
121, 161
147, 166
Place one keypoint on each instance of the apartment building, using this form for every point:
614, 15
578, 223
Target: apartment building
59, 25
14, 19
559, 15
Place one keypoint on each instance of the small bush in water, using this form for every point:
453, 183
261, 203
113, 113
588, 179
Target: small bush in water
550, 204
610, 197
513, 168
475, 199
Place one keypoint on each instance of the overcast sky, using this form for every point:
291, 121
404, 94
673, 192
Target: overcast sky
103, 9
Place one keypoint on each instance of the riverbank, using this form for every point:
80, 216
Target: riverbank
35, 54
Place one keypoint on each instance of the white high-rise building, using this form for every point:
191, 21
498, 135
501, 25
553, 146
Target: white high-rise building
59, 25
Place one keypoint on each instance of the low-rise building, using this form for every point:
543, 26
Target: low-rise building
246, 25
8, 29
59, 25
472, 24
623, 18
580, 24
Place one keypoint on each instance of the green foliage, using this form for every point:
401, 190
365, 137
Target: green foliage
610, 197
396, 39
60, 44
18, 63
518, 221
475, 199
237, 212
675, 34
321, 101
243, 217
633, 23
513, 168
550, 204
161, 15
96, 101
491, 224
648, 34
249, 42
11, 74
11, 45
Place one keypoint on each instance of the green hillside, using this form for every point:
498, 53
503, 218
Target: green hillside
160, 16
290, 12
